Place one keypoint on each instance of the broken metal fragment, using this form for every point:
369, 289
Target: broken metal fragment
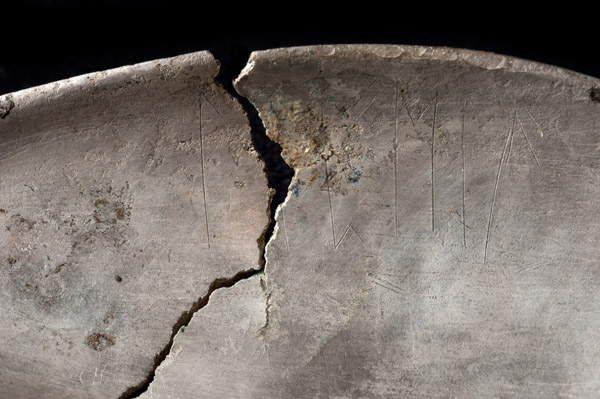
124, 195
439, 238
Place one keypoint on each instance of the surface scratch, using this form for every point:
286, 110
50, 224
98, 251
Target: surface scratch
464, 184
330, 206
396, 160
528, 142
202, 170
432, 163
495, 195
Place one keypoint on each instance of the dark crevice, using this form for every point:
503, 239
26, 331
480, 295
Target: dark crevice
279, 175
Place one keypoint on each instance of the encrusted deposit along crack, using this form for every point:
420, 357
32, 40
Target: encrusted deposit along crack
279, 175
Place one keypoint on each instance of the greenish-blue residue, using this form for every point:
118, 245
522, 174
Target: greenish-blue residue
356, 177
295, 190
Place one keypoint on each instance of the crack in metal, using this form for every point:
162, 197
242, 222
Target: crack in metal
279, 175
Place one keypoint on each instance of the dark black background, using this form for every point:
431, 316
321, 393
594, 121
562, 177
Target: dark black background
64, 51
47, 40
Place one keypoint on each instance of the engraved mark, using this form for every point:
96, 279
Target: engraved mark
336, 245
322, 109
502, 160
336, 300
363, 199
464, 213
512, 139
386, 287
396, 161
528, 142
425, 109
474, 113
406, 106
432, 165
364, 110
327, 179
359, 237
350, 227
385, 284
330, 206
536, 123
413, 344
202, 170
287, 244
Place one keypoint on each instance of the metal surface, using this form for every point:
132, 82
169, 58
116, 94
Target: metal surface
123, 195
438, 239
